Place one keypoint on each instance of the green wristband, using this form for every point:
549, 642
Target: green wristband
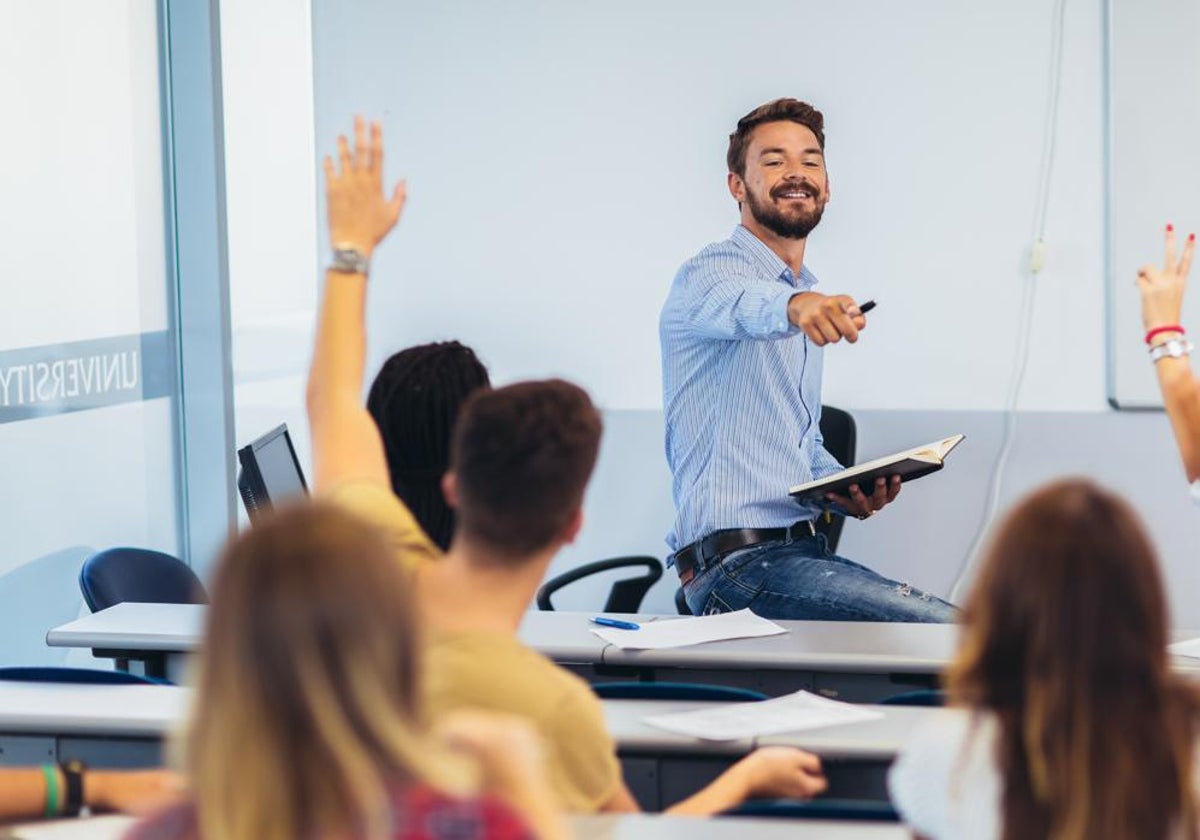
51, 774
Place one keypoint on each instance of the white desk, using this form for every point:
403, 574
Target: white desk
613, 827
856, 661
104, 725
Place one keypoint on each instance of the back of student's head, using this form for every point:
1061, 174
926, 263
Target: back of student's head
415, 400
522, 456
306, 702
1064, 639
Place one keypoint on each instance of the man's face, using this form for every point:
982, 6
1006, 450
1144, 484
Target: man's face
785, 186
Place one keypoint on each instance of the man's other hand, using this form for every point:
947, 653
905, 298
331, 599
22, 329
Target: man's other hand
858, 504
826, 319
360, 215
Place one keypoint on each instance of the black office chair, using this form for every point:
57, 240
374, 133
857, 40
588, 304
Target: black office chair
624, 597
674, 691
859, 810
840, 435
117, 575
75, 676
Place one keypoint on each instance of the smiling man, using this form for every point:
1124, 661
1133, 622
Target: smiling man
742, 332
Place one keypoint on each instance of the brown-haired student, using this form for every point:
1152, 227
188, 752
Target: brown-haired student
1070, 724
521, 459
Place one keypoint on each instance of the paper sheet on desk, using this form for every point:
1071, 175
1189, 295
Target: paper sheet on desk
1191, 648
679, 632
113, 826
790, 713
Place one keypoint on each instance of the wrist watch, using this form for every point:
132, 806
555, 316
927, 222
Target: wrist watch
349, 261
1175, 348
73, 771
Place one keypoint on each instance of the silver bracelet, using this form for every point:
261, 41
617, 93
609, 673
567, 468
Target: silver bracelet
1175, 348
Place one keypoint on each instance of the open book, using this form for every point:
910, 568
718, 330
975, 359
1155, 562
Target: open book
910, 464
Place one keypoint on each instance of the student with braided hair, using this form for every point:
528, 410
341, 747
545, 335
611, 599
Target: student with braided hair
414, 401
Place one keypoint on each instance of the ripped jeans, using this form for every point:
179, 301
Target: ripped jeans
803, 579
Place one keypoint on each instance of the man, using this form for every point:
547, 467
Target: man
521, 457
742, 331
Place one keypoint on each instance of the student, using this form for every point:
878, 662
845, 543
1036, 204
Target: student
305, 720
521, 458
1162, 300
1070, 724
415, 400
47, 791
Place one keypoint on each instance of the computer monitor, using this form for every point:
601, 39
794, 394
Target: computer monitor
270, 472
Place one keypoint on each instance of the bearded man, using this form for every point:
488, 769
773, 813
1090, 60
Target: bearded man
742, 333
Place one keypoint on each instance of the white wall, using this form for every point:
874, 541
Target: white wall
270, 193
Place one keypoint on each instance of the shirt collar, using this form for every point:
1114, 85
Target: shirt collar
769, 261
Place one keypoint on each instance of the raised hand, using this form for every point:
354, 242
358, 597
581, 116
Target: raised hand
826, 319
360, 215
1162, 288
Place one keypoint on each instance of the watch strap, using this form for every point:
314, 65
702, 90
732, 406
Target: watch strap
349, 261
73, 776
1174, 348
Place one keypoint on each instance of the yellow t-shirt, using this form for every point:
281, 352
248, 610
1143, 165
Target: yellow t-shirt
493, 672
379, 506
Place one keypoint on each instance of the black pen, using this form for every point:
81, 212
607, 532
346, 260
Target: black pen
864, 308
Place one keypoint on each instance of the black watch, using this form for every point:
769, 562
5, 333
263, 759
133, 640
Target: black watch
73, 771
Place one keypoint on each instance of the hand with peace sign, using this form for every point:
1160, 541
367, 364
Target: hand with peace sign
1162, 288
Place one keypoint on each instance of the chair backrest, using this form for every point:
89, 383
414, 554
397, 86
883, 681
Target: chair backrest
117, 575
921, 697
624, 597
674, 691
841, 441
89, 676
858, 810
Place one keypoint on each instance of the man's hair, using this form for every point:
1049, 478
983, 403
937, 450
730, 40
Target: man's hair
777, 110
522, 456
415, 400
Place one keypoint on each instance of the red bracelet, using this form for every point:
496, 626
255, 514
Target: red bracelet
1166, 328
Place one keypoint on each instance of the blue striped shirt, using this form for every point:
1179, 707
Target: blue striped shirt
741, 391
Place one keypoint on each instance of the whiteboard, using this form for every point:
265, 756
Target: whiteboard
1153, 170
565, 157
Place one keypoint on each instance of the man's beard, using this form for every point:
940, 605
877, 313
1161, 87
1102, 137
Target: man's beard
797, 224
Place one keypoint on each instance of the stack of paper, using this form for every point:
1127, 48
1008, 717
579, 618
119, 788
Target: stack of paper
691, 631
735, 721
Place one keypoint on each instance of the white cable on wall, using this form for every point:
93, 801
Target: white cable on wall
1028, 295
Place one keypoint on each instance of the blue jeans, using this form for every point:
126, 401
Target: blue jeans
803, 579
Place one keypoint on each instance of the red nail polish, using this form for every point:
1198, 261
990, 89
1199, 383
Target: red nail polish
1191, 237
1170, 228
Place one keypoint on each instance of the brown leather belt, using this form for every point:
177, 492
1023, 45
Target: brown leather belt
697, 557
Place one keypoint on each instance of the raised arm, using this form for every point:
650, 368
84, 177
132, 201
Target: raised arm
1162, 292
346, 442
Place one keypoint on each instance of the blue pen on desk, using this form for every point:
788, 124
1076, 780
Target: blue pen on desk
617, 623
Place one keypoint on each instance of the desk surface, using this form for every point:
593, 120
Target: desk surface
641, 826
611, 827
566, 637
147, 711
152, 711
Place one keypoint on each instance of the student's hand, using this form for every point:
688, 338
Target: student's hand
782, 772
360, 215
860, 505
130, 791
507, 749
826, 319
1162, 289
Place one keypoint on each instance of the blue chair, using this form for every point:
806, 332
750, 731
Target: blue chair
76, 676
860, 810
624, 597
922, 697
674, 691
117, 575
